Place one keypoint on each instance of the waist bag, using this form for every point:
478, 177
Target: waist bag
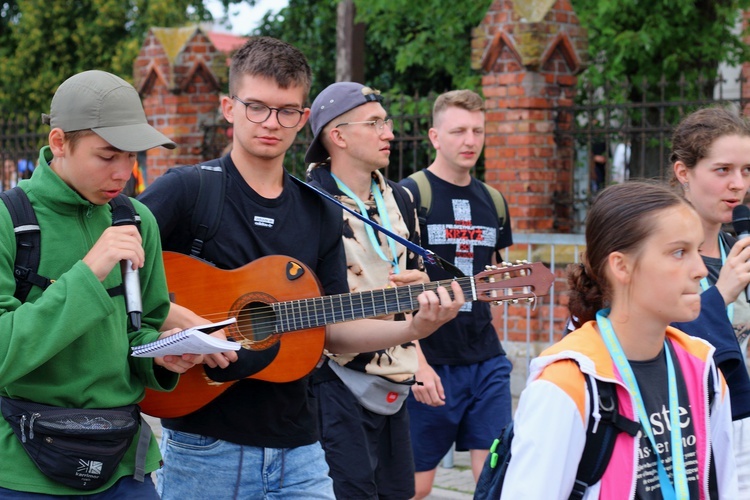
80, 448
376, 393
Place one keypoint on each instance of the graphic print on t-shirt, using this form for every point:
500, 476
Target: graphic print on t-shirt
464, 235
652, 381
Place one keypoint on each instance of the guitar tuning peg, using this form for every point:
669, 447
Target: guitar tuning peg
514, 301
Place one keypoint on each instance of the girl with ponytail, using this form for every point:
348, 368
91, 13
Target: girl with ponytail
642, 271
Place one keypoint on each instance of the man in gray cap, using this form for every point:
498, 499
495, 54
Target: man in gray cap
66, 343
363, 420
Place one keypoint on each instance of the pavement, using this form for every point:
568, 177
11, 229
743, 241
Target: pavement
454, 481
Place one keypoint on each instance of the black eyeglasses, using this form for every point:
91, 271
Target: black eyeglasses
379, 124
257, 112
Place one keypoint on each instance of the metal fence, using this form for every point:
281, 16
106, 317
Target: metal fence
410, 150
633, 137
20, 140
557, 251
600, 121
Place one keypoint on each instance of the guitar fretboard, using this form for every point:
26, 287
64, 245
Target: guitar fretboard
320, 311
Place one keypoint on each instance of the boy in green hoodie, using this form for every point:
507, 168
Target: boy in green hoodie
67, 345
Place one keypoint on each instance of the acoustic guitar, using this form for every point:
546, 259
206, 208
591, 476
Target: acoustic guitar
278, 304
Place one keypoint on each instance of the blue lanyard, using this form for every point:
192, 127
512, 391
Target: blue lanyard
705, 285
382, 211
668, 491
429, 256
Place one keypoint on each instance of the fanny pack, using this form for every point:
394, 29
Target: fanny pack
377, 394
80, 448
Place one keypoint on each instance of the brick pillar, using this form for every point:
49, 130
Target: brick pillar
530, 53
178, 74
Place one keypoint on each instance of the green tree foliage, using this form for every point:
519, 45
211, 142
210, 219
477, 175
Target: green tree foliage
422, 45
309, 25
632, 40
411, 46
43, 42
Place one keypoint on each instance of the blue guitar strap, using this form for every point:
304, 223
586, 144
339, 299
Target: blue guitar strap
428, 255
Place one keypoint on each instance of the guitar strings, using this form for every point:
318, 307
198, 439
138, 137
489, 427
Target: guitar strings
265, 318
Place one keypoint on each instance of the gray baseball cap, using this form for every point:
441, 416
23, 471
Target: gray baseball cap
335, 100
109, 106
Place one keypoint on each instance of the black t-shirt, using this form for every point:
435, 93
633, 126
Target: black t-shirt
463, 229
300, 224
652, 382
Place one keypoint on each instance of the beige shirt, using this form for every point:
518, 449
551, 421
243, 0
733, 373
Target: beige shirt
366, 270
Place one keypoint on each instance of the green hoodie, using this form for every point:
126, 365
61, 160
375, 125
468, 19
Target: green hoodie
69, 345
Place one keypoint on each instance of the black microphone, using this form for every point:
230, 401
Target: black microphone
741, 225
131, 282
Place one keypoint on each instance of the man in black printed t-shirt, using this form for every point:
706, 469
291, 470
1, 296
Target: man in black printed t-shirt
465, 397
258, 438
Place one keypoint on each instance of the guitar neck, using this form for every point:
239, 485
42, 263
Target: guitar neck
320, 311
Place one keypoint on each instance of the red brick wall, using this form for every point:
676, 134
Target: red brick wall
180, 91
530, 67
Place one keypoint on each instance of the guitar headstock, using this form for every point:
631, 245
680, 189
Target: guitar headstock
519, 282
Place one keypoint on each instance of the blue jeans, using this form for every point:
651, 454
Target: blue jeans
126, 488
203, 467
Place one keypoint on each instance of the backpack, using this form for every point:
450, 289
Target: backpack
424, 194
600, 443
209, 204
28, 241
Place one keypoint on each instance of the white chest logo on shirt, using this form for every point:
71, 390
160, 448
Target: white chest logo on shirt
263, 221
464, 235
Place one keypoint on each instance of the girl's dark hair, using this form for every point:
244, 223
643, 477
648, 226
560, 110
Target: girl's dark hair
621, 218
692, 138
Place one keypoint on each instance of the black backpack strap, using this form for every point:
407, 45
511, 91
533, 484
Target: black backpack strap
209, 204
28, 242
600, 436
405, 205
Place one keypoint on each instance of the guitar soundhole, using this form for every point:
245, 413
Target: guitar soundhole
256, 321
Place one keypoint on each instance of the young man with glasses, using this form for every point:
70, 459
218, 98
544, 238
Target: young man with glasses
259, 439
363, 421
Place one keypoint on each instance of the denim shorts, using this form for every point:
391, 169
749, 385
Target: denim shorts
203, 467
477, 406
